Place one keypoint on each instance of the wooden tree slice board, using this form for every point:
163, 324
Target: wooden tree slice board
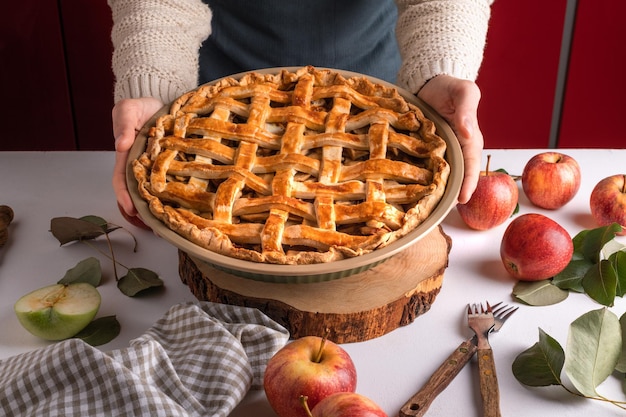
355, 308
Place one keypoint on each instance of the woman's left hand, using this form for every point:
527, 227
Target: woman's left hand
456, 100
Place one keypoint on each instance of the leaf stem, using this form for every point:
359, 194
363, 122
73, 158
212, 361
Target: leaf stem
106, 235
619, 404
111, 256
131, 235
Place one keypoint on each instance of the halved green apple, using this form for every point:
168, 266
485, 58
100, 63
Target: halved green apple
58, 311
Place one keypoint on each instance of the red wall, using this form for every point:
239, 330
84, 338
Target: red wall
57, 83
519, 72
594, 106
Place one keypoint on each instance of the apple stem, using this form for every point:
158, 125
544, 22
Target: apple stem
304, 401
318, 356
624, 186
487, 167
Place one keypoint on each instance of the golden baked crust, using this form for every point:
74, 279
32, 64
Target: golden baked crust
292, 168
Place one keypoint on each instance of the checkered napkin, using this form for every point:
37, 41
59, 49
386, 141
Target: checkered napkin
198, 360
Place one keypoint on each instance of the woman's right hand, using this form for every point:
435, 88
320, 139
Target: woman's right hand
129, 116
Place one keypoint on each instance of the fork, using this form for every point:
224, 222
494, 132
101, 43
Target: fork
418, 404
481, 320
501, 314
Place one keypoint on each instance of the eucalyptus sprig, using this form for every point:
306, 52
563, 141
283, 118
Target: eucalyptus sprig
594, 351
101, 330
88, 228
597, 268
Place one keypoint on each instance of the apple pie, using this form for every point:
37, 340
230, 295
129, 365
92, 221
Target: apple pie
292, 167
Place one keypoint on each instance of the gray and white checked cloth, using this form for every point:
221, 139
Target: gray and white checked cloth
199, 359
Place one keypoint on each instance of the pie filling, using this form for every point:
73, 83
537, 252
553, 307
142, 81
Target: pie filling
293, 167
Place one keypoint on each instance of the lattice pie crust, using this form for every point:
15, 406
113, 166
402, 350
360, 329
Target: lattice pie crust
293, 167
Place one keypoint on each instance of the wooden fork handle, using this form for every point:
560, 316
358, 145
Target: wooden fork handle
488, 383
418, 404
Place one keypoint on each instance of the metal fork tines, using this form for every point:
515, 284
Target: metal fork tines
501, 313
481, 320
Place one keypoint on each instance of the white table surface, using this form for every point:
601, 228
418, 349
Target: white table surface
43, 185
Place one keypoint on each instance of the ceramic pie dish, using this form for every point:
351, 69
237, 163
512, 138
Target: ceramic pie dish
308, 272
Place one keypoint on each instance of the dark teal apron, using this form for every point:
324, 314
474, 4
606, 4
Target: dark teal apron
354, 35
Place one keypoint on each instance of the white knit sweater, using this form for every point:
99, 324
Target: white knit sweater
156, 43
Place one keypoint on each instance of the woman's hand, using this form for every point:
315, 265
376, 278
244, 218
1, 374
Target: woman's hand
129, 116
456, 100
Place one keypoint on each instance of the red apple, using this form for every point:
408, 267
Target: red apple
535, 247
551, 179
608, 201
345, 404
311, 366
493, 202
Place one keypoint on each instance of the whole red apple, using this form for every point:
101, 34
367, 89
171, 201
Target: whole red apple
551, 179
608, 201
535, 247
345, 404
311, 366
493, 202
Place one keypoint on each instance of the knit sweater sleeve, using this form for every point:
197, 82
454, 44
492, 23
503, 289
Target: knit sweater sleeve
440, 37
155, 46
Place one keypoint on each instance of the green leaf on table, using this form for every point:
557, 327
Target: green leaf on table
69, 229
594, 344
578, 243
572, 276
137, 280
618, 260
541, 364
87, 270
100, 222
539, 293
600, 283
100, 331
621, 362
594, 240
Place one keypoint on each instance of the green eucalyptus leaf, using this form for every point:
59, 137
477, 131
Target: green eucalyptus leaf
578, 243
571, 277
97, 220
594, 344
137, 280
618, 261
595, 239
541, 364
621, 363
515, 210
539, 293
600, 283
100, 331
69, 229
87, 270
100, 222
